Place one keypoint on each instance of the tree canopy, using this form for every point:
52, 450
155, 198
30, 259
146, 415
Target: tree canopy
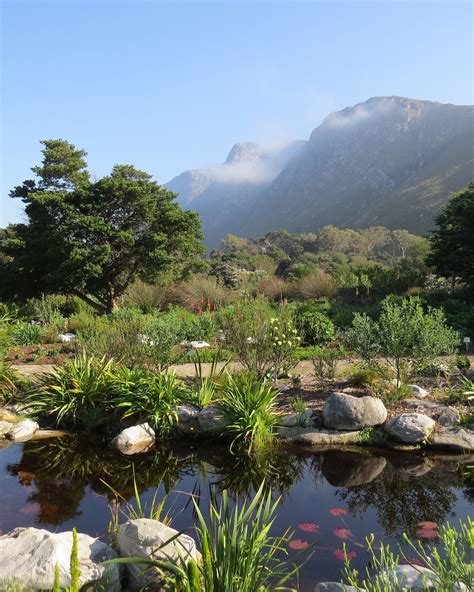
92, 238
452, 243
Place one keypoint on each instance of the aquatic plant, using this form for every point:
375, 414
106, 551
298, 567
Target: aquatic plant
450, 562
249, 404
238, 552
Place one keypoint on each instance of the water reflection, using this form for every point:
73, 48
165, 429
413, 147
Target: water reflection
403, 489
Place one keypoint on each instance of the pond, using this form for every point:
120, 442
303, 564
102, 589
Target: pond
328, 497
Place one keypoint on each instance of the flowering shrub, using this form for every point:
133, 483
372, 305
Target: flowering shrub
285, 340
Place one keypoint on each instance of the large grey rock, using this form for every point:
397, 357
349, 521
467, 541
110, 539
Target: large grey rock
147, 538
449, 417
345, 412
418, 391
414, 579
419, 404
5, 427
335, 587
29, 555
318, 437
135, 439
453, 439
211, 420
410, 427
23, 430
298, 418
187, 419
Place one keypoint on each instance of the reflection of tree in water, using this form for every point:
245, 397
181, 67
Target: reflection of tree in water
402, 500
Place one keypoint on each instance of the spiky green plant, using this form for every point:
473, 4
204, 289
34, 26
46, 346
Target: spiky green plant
249, 403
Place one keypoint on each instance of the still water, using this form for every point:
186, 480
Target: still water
328, 498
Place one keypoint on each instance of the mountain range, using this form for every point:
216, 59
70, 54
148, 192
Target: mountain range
389, 161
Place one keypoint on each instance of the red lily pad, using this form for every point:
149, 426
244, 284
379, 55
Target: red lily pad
309, 526
298, 544
412, 561
338, 512
339, 554
427, 533
427, 524
342, 533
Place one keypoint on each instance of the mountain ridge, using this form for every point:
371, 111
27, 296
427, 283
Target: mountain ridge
389, 161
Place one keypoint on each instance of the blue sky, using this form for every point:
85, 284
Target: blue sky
169, 86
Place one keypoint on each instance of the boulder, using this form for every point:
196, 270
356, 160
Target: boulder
318, 437
211, 420
5, 427
66, 338
335, 587
419, 404
453, 439
23, 430
449, 417
29, 556
415, 579
299, 418
410, 428
418, 391
345, 412
135, 439
147, 538
187, 419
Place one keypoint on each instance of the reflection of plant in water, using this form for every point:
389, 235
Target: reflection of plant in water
403, 501
277, 468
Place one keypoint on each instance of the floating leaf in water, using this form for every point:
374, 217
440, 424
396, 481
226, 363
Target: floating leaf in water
309, 526
342, 533
298, 544
427, 533
339, 554
338, 512
427, 524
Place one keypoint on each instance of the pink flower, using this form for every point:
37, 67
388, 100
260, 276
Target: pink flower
309, 526
342, 533
427, 533
338, 512
339, 554
298, 544
427, 524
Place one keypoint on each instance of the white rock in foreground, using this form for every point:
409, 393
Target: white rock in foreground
144, 538
29, 555
135, 439
66, 338
23, 430
415, 579
335, 587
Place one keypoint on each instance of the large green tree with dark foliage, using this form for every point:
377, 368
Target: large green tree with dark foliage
92, 238
452, 243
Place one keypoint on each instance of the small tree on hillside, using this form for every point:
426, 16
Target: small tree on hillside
403, 335
452, 244
93, 238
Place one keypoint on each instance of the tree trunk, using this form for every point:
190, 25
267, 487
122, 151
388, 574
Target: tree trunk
99, 307
111, 300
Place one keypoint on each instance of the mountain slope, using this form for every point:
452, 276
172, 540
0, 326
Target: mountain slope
389, 161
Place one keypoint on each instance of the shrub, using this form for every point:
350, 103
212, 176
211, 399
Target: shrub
363, 377
146, 297
325, 362
249, 403
202, 293
316, 285
263, 342
276, 289
26, 333
404, 335
76, 394
315, 327
150, 397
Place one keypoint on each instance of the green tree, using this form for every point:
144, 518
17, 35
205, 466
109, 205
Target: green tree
404, 335
93, 238
452, 243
